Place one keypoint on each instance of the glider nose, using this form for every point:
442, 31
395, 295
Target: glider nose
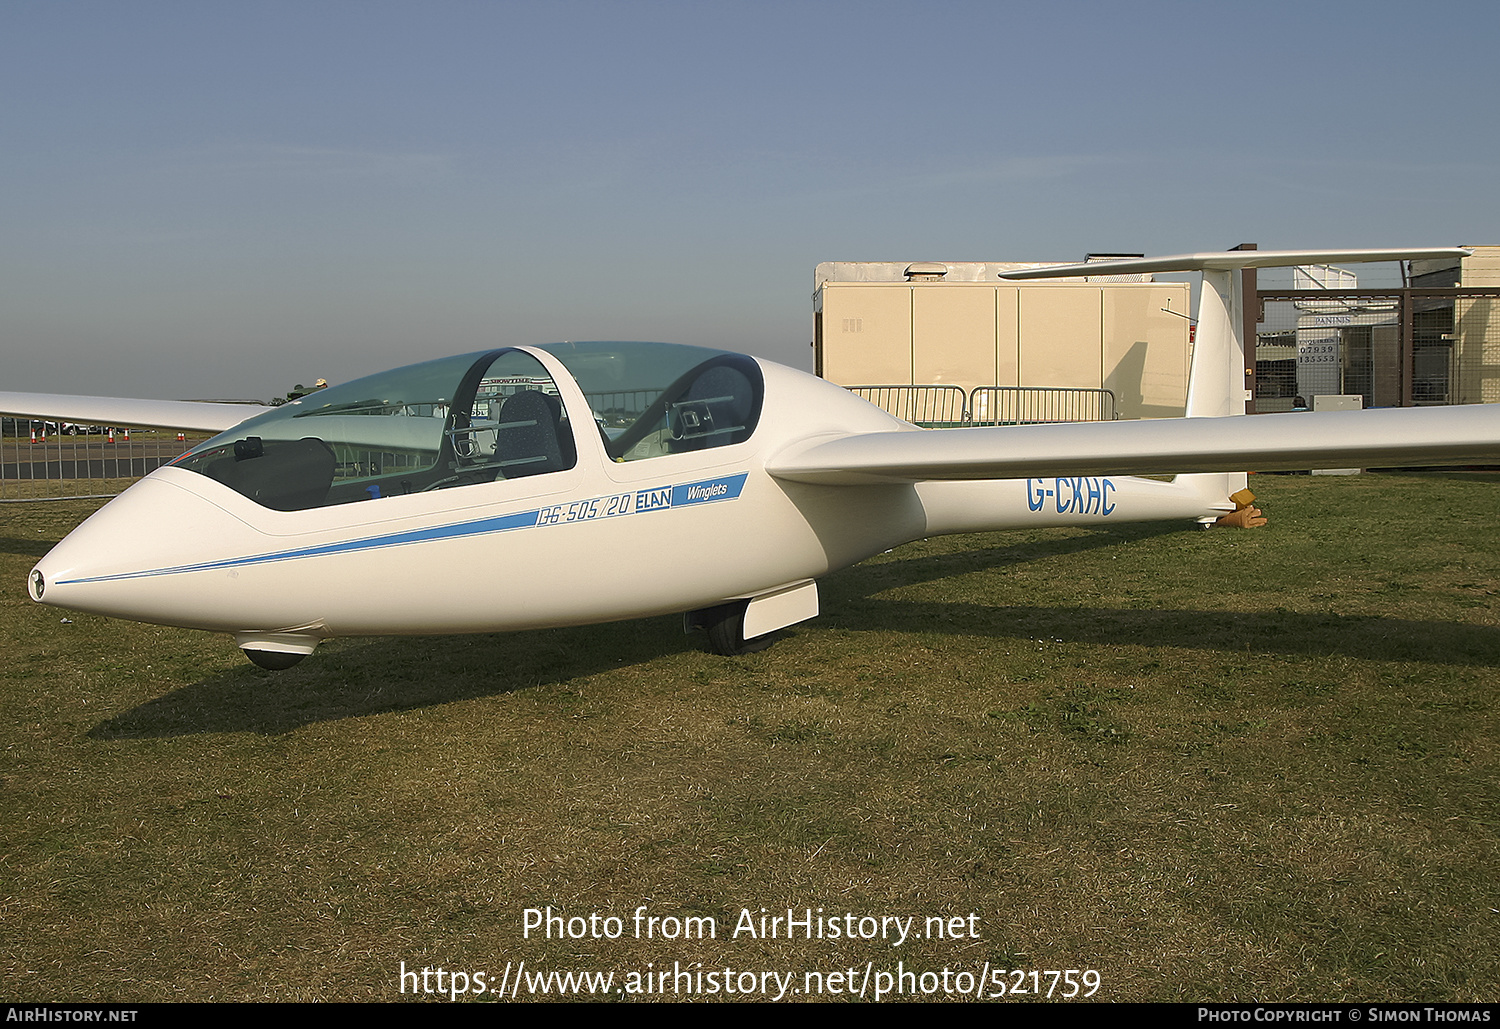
46, 583
36, 584
43, 587
86, 570
119, 562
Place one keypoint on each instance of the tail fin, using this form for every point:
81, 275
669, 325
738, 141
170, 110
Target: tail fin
1216, 377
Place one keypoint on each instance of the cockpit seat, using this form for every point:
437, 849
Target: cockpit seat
291, 475
528, 438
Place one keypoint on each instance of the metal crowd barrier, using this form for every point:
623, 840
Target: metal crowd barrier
43, 460
1027, 405
922, 405
950, 406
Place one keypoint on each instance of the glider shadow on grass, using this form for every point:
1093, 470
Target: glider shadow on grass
381, 675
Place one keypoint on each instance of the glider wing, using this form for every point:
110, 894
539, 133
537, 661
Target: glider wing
156, 414
1273, 442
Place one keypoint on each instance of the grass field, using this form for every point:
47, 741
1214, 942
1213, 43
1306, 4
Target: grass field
1209, 765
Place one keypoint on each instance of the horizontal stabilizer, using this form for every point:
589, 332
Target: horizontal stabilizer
1273, 442
116, 411
1228, 260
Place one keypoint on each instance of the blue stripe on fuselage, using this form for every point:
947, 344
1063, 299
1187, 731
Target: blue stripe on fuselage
706, 491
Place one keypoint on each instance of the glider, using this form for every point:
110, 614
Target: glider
577, 483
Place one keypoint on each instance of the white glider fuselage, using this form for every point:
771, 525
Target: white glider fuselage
601, 541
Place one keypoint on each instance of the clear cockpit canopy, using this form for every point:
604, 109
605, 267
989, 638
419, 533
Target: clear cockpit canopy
483, 417
654, 399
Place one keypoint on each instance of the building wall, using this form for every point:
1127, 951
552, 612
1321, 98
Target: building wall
989, 333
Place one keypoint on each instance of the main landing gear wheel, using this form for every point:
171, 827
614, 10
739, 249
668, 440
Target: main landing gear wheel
276, 651
725, 625
273, 660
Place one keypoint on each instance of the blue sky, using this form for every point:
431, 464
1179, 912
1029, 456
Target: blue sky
223, 199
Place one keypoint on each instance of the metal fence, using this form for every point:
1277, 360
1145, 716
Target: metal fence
948, 406
1394, 347
1028, 405
921, 405
42, 460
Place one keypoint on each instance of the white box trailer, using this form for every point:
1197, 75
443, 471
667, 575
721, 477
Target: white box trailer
924, 324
